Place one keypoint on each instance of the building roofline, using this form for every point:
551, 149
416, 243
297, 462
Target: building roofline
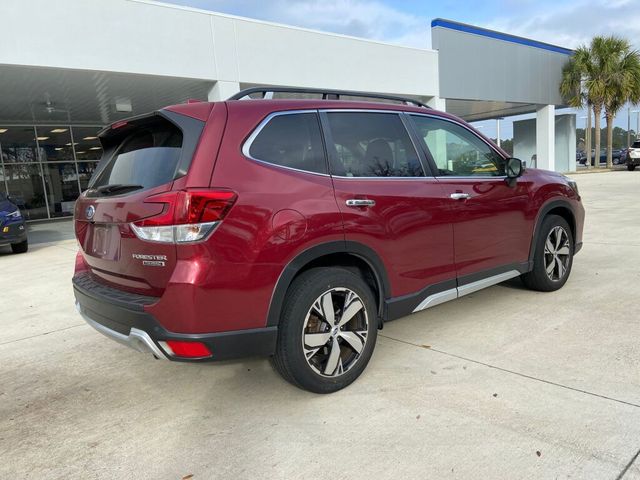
485, 32
159, 3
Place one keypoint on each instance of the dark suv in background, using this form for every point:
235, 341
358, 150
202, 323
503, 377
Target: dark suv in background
295, 228
13, 230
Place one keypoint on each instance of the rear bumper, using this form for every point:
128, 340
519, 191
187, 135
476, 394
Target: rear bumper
15, 233
121, 316
633, 161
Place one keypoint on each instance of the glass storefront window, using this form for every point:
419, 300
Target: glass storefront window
18, 144
61, 181
25, 186
86, 143
54, 143
45, 167
85, 170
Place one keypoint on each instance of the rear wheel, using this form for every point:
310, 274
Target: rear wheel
327, 331
631, 167
553, 256
21, 247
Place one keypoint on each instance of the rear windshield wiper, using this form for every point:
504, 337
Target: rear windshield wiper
117, 188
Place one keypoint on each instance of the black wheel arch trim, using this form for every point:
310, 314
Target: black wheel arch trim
542, 213
316, 252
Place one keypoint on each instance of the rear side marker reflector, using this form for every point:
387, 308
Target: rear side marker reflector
177, 348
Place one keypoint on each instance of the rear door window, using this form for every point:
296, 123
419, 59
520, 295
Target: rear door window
291, 140
371, 145
147, 156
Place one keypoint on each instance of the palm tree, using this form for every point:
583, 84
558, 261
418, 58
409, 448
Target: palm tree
603, 76
623, 83
578, 88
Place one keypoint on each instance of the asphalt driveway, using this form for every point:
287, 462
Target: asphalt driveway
502, 384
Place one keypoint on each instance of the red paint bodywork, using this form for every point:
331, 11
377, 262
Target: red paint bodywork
227, 282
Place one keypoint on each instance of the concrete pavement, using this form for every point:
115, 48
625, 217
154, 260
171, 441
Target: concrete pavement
502, 384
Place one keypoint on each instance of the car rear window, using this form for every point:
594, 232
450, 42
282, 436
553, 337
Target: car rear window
636, 145
147, 156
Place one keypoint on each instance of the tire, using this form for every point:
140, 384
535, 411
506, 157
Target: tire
544, 256
21, 247
311, 366
631, 168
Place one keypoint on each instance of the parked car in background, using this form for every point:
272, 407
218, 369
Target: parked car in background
633, 156
296, 228
13, 230
617, 156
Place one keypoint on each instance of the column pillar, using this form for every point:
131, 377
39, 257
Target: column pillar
438, 103
222, 90
546, 137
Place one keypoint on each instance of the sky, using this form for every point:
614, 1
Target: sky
568, 23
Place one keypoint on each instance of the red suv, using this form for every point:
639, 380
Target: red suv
295, 228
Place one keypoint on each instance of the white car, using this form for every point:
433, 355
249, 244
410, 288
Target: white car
633, 156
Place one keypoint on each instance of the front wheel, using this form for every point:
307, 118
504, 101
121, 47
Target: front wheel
631, 167
327, 331
553, 256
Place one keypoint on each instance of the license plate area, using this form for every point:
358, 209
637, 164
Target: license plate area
105, 242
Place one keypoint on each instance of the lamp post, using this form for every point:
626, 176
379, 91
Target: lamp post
498, 130
638, 125
588, 135
628, 127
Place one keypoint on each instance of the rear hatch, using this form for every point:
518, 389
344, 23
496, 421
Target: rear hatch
144, 156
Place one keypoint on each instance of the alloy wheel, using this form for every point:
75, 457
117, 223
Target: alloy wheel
334, 334
557, 253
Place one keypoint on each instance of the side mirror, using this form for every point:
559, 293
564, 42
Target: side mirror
514, 168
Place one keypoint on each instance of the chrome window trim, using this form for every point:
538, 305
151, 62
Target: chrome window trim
466, 127
341, 177
246, 146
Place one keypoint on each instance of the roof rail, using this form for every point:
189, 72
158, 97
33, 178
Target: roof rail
267, 93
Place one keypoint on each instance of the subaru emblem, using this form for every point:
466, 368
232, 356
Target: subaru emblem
90, 212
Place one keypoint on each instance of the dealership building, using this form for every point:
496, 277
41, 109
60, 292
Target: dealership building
70, 67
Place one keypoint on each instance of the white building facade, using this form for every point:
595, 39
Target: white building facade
82, 64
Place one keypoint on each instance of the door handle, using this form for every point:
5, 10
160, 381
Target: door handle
460, 196
360, 202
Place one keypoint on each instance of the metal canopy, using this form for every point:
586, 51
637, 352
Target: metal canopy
475, 110
54, 95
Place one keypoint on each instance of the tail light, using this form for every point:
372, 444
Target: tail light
189, 216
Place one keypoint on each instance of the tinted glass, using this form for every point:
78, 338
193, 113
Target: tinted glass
372, 145
26, 188
291, 140
86, 142
457, 151
85, 172
61, 182
635, 145
54, 143
149, 157
18, 144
